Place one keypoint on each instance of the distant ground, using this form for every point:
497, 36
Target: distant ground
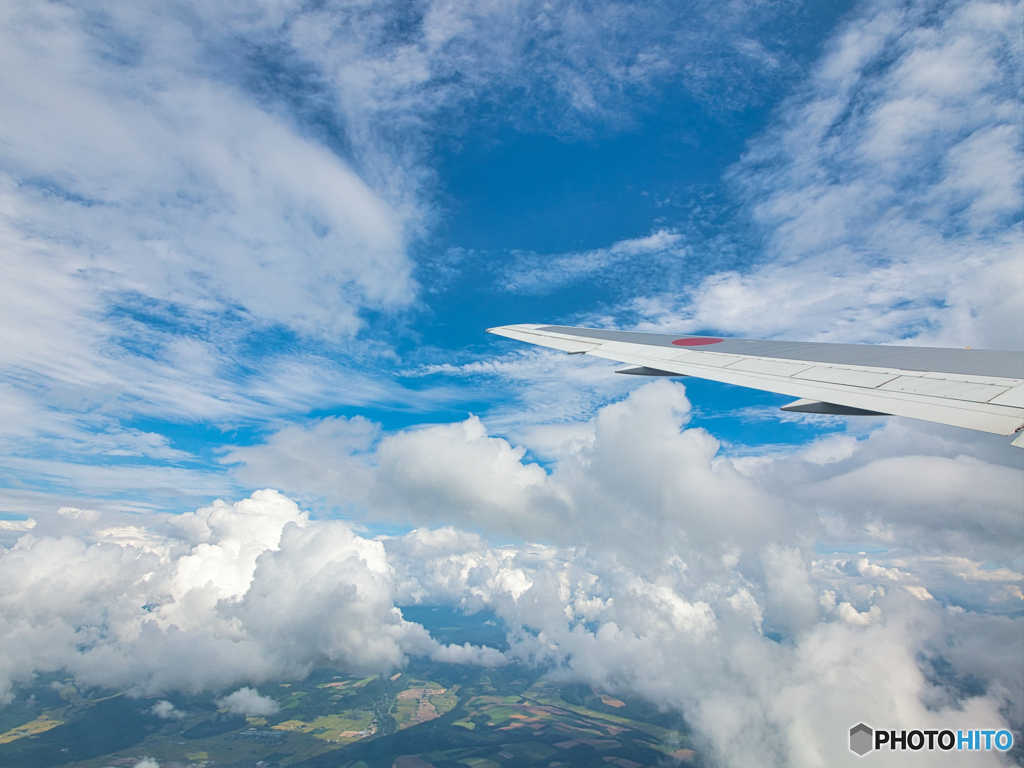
428, 714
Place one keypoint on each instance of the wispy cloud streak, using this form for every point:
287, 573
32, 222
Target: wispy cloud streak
888, 192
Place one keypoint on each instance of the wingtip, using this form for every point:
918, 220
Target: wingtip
514, 326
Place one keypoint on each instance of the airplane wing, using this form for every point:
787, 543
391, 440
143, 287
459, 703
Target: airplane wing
980, 389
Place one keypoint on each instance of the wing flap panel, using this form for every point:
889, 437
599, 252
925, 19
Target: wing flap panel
869, 379
655, 353
770, 367
709, 359
1013, 398
955, 390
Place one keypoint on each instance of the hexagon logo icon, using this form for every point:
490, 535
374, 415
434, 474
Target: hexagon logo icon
860, 739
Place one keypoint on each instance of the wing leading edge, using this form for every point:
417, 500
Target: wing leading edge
974, 388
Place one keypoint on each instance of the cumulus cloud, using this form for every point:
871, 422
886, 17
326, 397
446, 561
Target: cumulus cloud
231, 593
326, 459
457, 472
649, 563
738, 622
470, 654
248, 702
674, 493
769, 668
166, 711
676, 573
655, 589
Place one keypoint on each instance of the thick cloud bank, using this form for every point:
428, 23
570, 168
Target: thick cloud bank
242, 592
669, 572
697, 581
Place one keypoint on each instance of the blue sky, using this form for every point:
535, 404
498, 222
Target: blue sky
477, 177
255, 245
285, 213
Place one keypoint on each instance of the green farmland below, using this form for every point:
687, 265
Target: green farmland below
426, 715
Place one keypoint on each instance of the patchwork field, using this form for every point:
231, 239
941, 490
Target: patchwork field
428, 715
423, 701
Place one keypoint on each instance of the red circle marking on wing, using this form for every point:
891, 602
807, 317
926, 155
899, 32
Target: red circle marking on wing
696, 342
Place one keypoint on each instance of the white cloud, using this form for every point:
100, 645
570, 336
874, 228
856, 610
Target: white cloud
456, 472
166, 711
887, 191
154, 212
183, 237
565, 66
153, 218
248, 702
325, 460
662, 571
734, 621
449, 566
184, 191
470, 654
546, 387
702, 647
232, 593
155, 197
537, 275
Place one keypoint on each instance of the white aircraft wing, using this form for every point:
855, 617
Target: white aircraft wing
979, 389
